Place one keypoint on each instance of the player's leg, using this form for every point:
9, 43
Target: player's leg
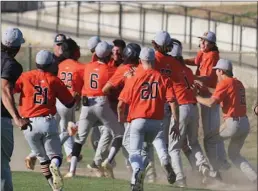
175, 146
126, 143
95, 136
86, 121
192, 135
242, 127
34, 139
150, 170
211, 121
6, 153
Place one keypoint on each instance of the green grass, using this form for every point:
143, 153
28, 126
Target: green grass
31, 181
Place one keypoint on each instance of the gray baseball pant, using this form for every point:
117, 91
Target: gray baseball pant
44, 138
211, 121
188, 126
7, 145
95, 137
141, 130
63, 116
98, 110
236, 129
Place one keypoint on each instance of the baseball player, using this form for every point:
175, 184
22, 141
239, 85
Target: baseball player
146, 93
183, 78
12, 39
207, 58
96, 108
39, 90
70, 71
256, 109
230, 93
31, 159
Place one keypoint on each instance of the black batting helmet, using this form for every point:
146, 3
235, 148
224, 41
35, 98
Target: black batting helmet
131, 52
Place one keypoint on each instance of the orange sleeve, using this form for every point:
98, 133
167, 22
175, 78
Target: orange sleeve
170, 94
125, 94
62, 93
79, 80
18, 85
116, 79
220, 92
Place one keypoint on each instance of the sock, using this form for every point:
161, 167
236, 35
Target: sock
115, 147
73, 164
56, 161
50, 182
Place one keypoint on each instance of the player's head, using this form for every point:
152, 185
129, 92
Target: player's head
12, 39
223, 68
131, 53
103, 51
92, 43
162, 42
208, 42
70, 49
44, 60
58, 41
147, 56
117, 49
176, 51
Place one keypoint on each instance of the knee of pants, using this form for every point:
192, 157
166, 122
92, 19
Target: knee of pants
135, 158
58, 158
80, 139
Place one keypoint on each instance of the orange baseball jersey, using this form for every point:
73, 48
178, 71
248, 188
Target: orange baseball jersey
39, 91
205, 62
182, 80
94, 57
96, 75
119, 76
146, 94
71, 73
231, 94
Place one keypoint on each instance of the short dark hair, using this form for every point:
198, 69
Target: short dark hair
228, 73
69, 48
119, 43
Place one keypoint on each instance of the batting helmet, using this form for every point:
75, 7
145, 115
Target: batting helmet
131, 52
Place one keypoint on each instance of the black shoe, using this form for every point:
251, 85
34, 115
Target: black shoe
171, 176
139, 179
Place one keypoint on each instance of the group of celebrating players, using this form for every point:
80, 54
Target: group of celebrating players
133, 98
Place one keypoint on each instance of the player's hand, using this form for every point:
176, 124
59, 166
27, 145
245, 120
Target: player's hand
23, 123
196, 89
174, 131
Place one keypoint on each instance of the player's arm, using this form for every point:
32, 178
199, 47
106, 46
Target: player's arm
190, 61
209, 102
106, 89
113, 82
121, 107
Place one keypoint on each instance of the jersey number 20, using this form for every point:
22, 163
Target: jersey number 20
149, 90
40, 96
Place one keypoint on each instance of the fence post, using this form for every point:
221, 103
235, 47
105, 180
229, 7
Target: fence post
57, 16
185, 28
143, 27
233, 31
99, 12
78, 18
215, 27
209, 20
65, 3
30, 57
163, 17
37, 20
190, 33
240, 45
18, 15
166, 21
140, 28
120, 20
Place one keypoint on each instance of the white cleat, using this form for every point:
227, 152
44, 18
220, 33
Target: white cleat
108, 169
57, 177
69, 175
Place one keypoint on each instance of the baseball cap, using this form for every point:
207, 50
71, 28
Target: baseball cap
162, 38
93, 42
12, 37
225, 65
59, 39
44, 57
103, 49
177, 48
147, 54
209, 36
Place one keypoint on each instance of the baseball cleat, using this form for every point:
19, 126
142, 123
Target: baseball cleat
150, 173
171, 176
98, 170
69, 175
181, 183
108, 169
57, 177
139, 179
30, 162
72, 128
204, 169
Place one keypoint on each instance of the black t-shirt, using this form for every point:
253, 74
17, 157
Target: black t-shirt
11, 71
54, 66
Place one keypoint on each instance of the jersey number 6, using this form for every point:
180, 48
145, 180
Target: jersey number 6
40, 96
149, 90
93, 81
